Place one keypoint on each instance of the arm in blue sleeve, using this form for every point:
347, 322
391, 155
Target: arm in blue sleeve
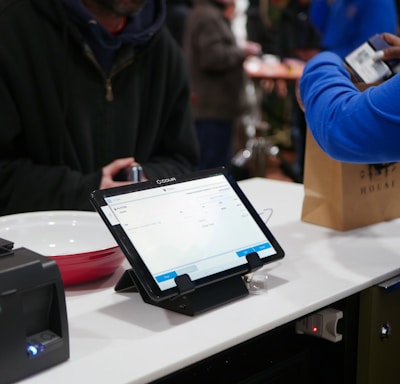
349, 125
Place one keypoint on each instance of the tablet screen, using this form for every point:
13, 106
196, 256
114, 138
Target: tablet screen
200, 226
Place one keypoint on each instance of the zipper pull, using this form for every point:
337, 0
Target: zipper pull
109, 91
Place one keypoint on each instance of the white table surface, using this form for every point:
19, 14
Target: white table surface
118, 338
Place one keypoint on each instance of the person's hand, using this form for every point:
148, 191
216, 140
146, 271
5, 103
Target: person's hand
390, 53
112, 169
393, 52
252, 49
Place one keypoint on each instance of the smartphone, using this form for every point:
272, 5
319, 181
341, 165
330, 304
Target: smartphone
134, 173
365, 67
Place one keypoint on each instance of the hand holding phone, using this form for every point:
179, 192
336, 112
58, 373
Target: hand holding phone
393, 50
366, 62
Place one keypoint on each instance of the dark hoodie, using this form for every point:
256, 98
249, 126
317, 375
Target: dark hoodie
138, 31
63, 117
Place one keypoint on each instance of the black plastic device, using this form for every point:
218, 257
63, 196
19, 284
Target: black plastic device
191, 300
33, 318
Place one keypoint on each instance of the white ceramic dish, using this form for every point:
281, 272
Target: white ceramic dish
78, 241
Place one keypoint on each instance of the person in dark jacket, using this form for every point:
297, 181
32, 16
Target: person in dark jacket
299, 39
217, 77
88, 88
177, 13
260, 28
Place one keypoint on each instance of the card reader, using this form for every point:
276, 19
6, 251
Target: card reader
33, 318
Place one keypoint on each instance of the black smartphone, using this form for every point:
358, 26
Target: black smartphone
134, 173
365, 67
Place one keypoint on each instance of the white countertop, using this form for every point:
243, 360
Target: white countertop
118, 336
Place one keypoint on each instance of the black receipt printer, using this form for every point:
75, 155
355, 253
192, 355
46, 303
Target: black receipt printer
33, 318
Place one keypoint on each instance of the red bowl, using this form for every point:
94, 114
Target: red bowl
83, 267
79, 242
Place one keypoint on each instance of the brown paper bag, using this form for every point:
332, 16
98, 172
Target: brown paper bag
345, 196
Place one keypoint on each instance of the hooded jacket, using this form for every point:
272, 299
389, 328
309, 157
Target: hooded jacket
63, 116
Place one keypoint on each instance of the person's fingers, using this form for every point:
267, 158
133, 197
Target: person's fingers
390, 53
110, 170
391, 39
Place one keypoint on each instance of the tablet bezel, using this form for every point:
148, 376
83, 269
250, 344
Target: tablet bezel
139, 268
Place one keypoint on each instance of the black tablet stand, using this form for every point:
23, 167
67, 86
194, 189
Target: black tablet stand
191, 300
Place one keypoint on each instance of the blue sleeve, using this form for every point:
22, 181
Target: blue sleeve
349, 125
377, 16
318, 11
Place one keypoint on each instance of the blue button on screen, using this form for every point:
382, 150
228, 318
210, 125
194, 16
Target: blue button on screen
166, 276
257, 248
262, 247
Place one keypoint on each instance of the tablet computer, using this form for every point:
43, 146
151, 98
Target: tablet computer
200, 224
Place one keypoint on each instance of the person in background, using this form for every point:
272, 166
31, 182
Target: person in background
217, 77
346, 24
259, 26
300, 40
298, 37
348, 124
88, 88
177, 12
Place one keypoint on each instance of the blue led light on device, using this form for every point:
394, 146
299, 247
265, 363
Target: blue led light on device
32, 350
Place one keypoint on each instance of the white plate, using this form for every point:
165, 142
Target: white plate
56, 233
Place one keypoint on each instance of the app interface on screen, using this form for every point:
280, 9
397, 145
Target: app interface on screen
198, 227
